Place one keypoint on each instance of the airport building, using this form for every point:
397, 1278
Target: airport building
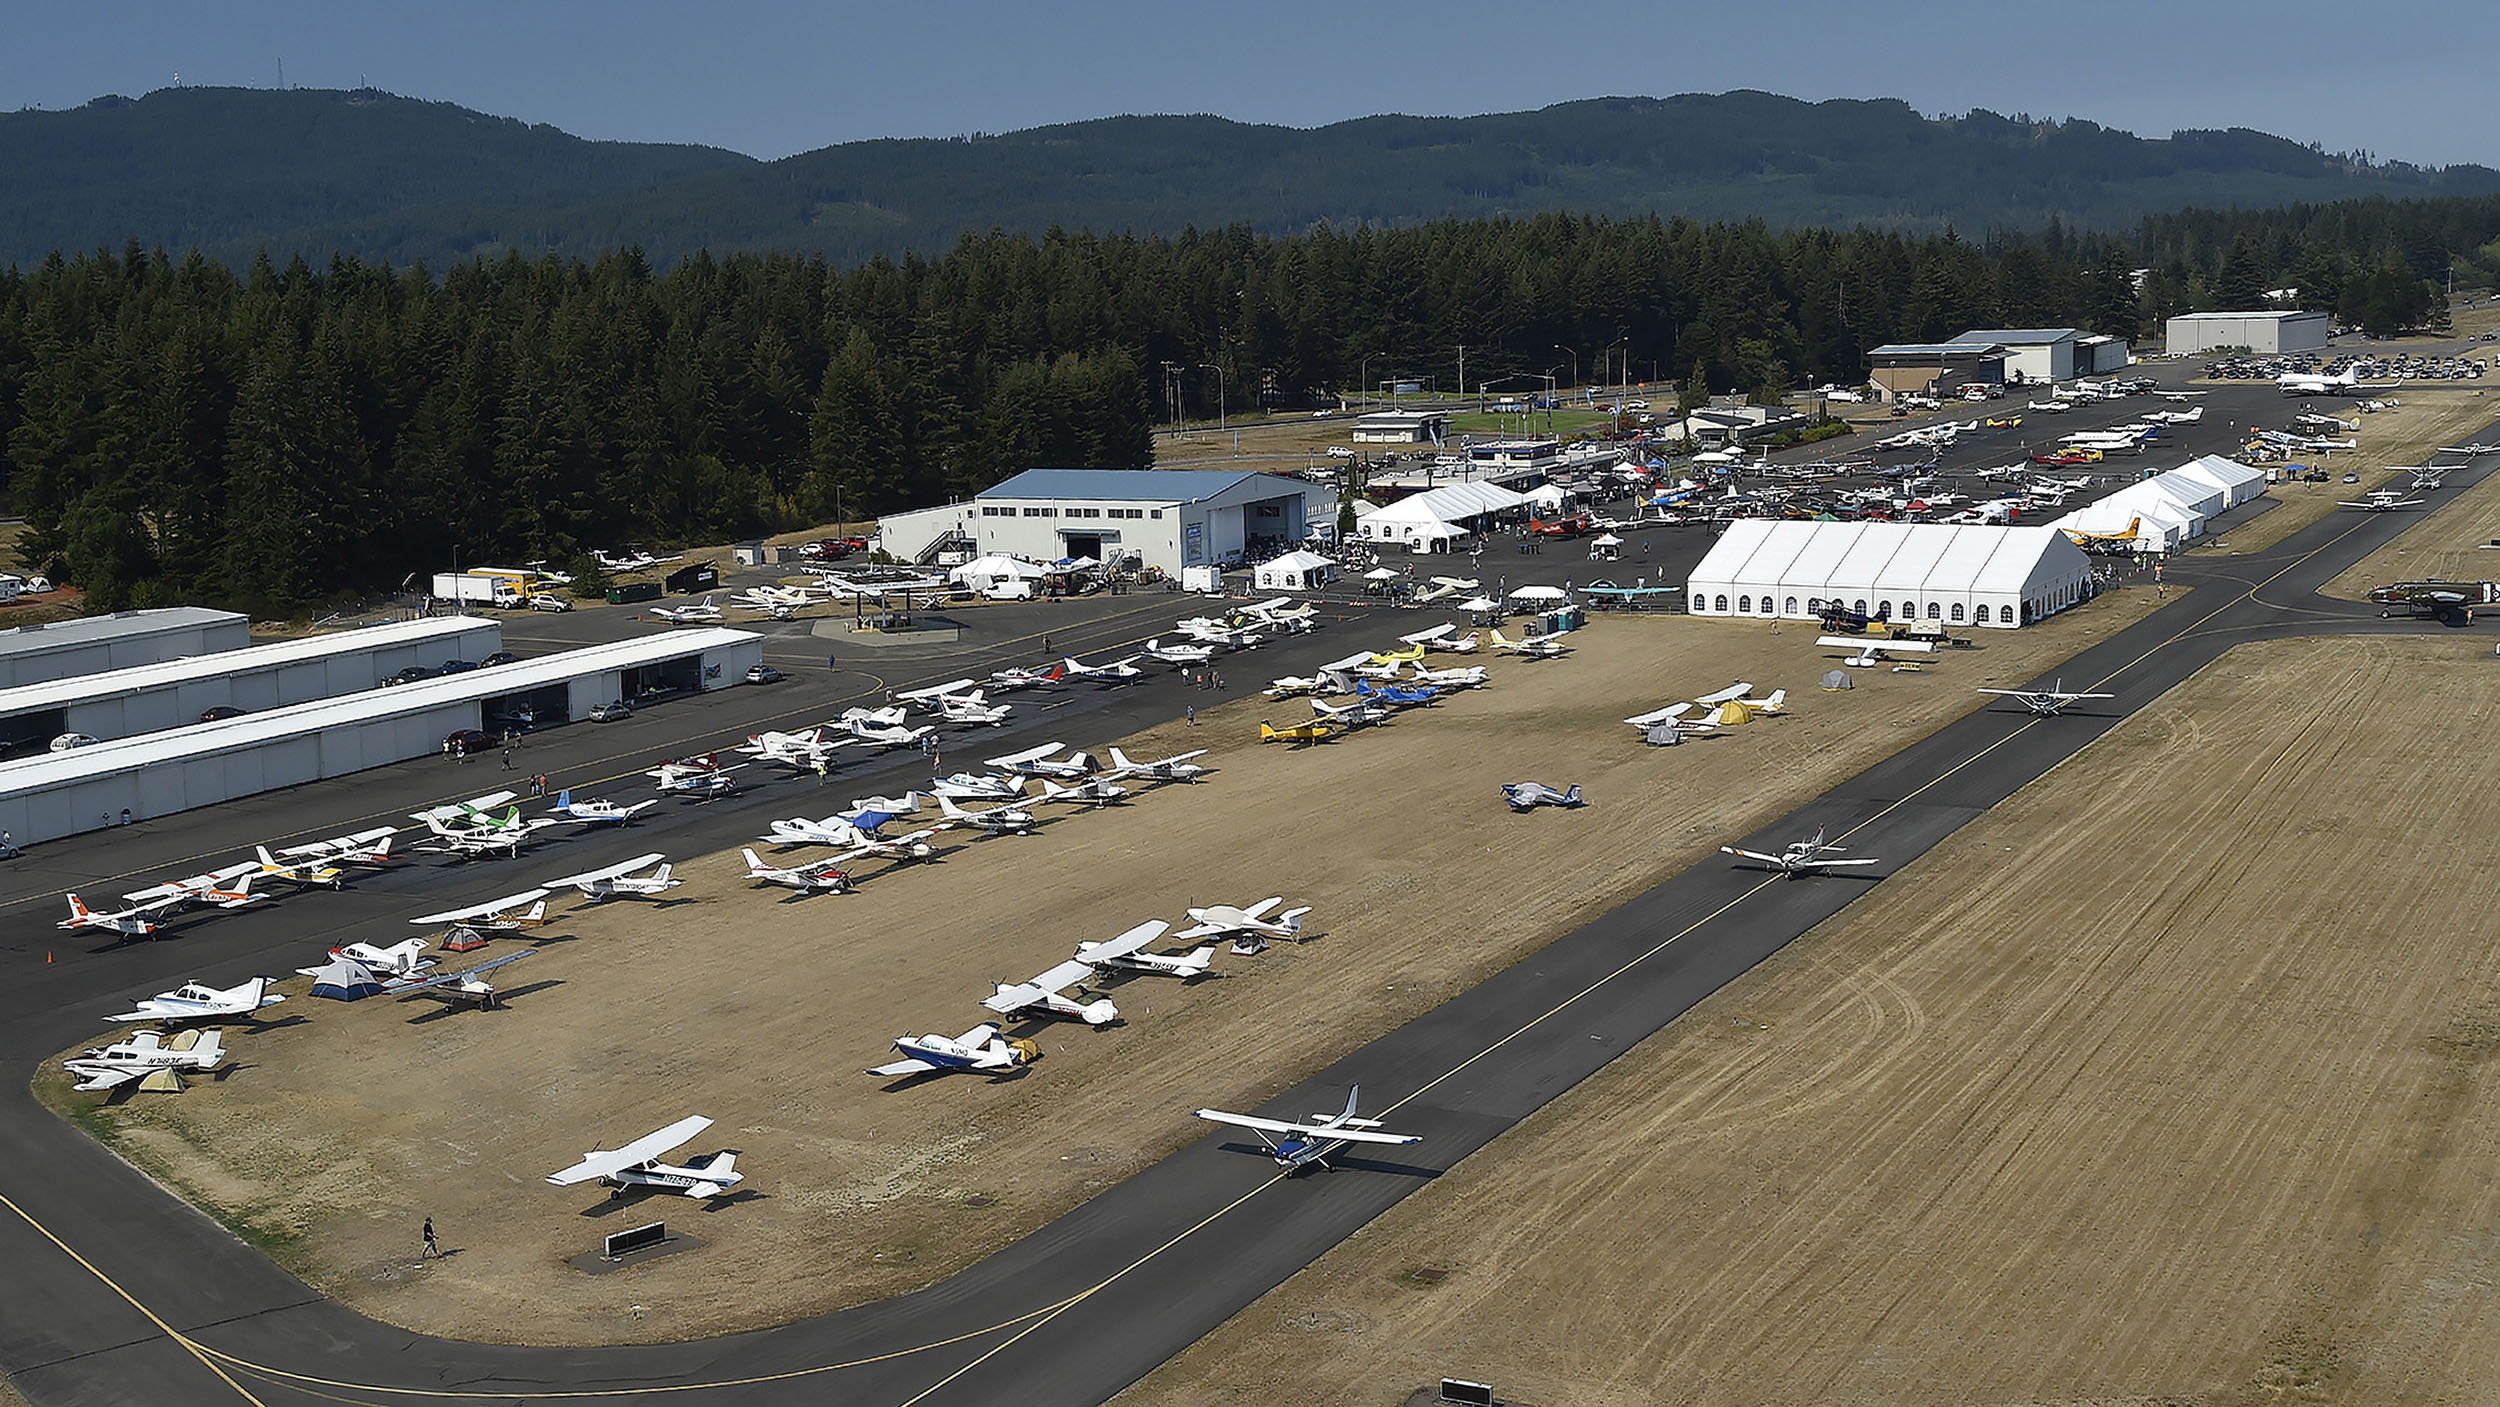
32, 654
1162, 518
150, 698
2266, 333
1402, 427
63, 793
1935, 573
1900, 369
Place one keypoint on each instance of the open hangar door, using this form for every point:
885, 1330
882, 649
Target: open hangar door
26, 734
542, 707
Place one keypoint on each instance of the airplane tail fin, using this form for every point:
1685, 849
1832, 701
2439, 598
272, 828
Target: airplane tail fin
754, 865
209, 1048
1572, 796
1353, 1096
1120, 760
265, 857
78, 908
1292, 919
537, 913
564, 799
1773, 704
662, 875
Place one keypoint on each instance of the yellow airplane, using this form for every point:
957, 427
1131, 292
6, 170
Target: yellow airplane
1411, 652
1299, 733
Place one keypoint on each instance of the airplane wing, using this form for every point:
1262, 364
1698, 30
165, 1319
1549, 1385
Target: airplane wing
410, 989
1733, 691
1135, 940
491, 907
603, 1162
1752, 855
617, 871
1036, 755
1349, 1134
1827, 864
901, 1067
109, 1079
1064, 976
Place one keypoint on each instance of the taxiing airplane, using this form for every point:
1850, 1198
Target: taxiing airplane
469, 985
638, 1164
1298, 1146
589, 812
132, 921
702, 612
982, 1048
148, 1057
1248, 929
195, 1001
1535, 647
1127, 953
1045, 761
2046, 702
2383, 501
1046, 995
820, 878
1806, 856
696, 776
1177, 768
622, 880
1527, 796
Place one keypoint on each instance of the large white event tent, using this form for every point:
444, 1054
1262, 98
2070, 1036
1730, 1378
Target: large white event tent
1295, 571
1953, 574
2168, 509
1440, 514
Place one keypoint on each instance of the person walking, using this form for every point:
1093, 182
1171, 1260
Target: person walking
1193, 715
433, 1248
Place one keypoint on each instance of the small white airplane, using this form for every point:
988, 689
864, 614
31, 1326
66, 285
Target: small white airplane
1271, 615
2472, 451
974, 786
803, 751
1093, 791
891, 716
304, 873
1127, 953
1466, 676
1444, 587
502, 915
1006, 819
622, 880
897, 735
1019, 677
468, 985
1120, 671
1046, 995
1358, 714
471, 812
875, 811
696, 776
1249, 929
2048, 701
1180, 656
1527, 796
981, 1048
702, 612
1301, 1145
2345, 383
823, 877
1869, 651
932, 695
133, 921
1177, 768
1045, 761
402, 959
1293, 684
195, 1001
371, 847
589, 812
1535, 647
1215, 634
1684, 719
1806, 856
902, 849
627, 561
638, 1164
488, 840
155, 1062
973, 710
228, 888
2383, 501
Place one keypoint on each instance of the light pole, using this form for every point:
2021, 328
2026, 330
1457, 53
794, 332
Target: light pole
1364, 382
1575, 361
1219, 393
1627, 358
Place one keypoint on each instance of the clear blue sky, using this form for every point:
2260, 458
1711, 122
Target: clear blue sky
772, 77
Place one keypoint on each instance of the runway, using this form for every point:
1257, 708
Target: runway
146, 1301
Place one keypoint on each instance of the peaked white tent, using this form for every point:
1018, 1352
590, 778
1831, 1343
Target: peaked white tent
1951, 574
982, 573
1295, 571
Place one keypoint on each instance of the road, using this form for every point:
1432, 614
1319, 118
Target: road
143, 1300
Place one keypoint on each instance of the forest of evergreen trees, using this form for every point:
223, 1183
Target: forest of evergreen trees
176, 430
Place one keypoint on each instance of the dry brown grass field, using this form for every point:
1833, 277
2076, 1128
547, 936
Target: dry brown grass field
2452, 540
2404, 435
2171, 1080
341, 1131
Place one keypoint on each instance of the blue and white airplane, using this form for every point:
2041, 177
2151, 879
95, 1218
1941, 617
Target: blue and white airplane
1303, 1145
982, 1048
592, 812
1527, 796
195, 1001
1400, 695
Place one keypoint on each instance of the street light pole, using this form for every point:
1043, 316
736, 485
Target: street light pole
1365, 382
1574, 354
1219, 393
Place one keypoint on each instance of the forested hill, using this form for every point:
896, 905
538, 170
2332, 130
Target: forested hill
232, 171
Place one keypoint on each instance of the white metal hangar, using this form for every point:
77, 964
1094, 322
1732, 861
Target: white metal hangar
1951, 574
62, 793
1166, 518
32, 654
149, 698
2266, 332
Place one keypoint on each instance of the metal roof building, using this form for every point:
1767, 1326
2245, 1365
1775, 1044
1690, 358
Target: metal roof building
1933, 368
149, 698
155, 774
1947, 574
32, 654
2267, 332
1166, 518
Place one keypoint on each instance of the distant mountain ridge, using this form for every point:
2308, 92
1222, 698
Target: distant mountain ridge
233, 170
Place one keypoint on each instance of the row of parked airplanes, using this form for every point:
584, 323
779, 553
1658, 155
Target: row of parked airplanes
1386, 681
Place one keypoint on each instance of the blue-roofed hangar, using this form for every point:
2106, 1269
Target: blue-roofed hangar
1164, 518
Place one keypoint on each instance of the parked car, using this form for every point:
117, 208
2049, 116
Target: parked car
544, 602
499, 657
456, 667
610, 711
67, 741
221, 711
411, 674
466, 741
764, 674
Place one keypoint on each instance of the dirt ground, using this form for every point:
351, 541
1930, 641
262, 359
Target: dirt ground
339, 1133
2419, 424
2169, 1081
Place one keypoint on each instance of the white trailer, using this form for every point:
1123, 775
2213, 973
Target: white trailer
477, 588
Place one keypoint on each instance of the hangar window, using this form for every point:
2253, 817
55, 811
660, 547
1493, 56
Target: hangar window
1792, 605
1744, 605
1859, 605
1721, 603
1957, 613
1814, 605
1155, 513
1934, 609
1980, 617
